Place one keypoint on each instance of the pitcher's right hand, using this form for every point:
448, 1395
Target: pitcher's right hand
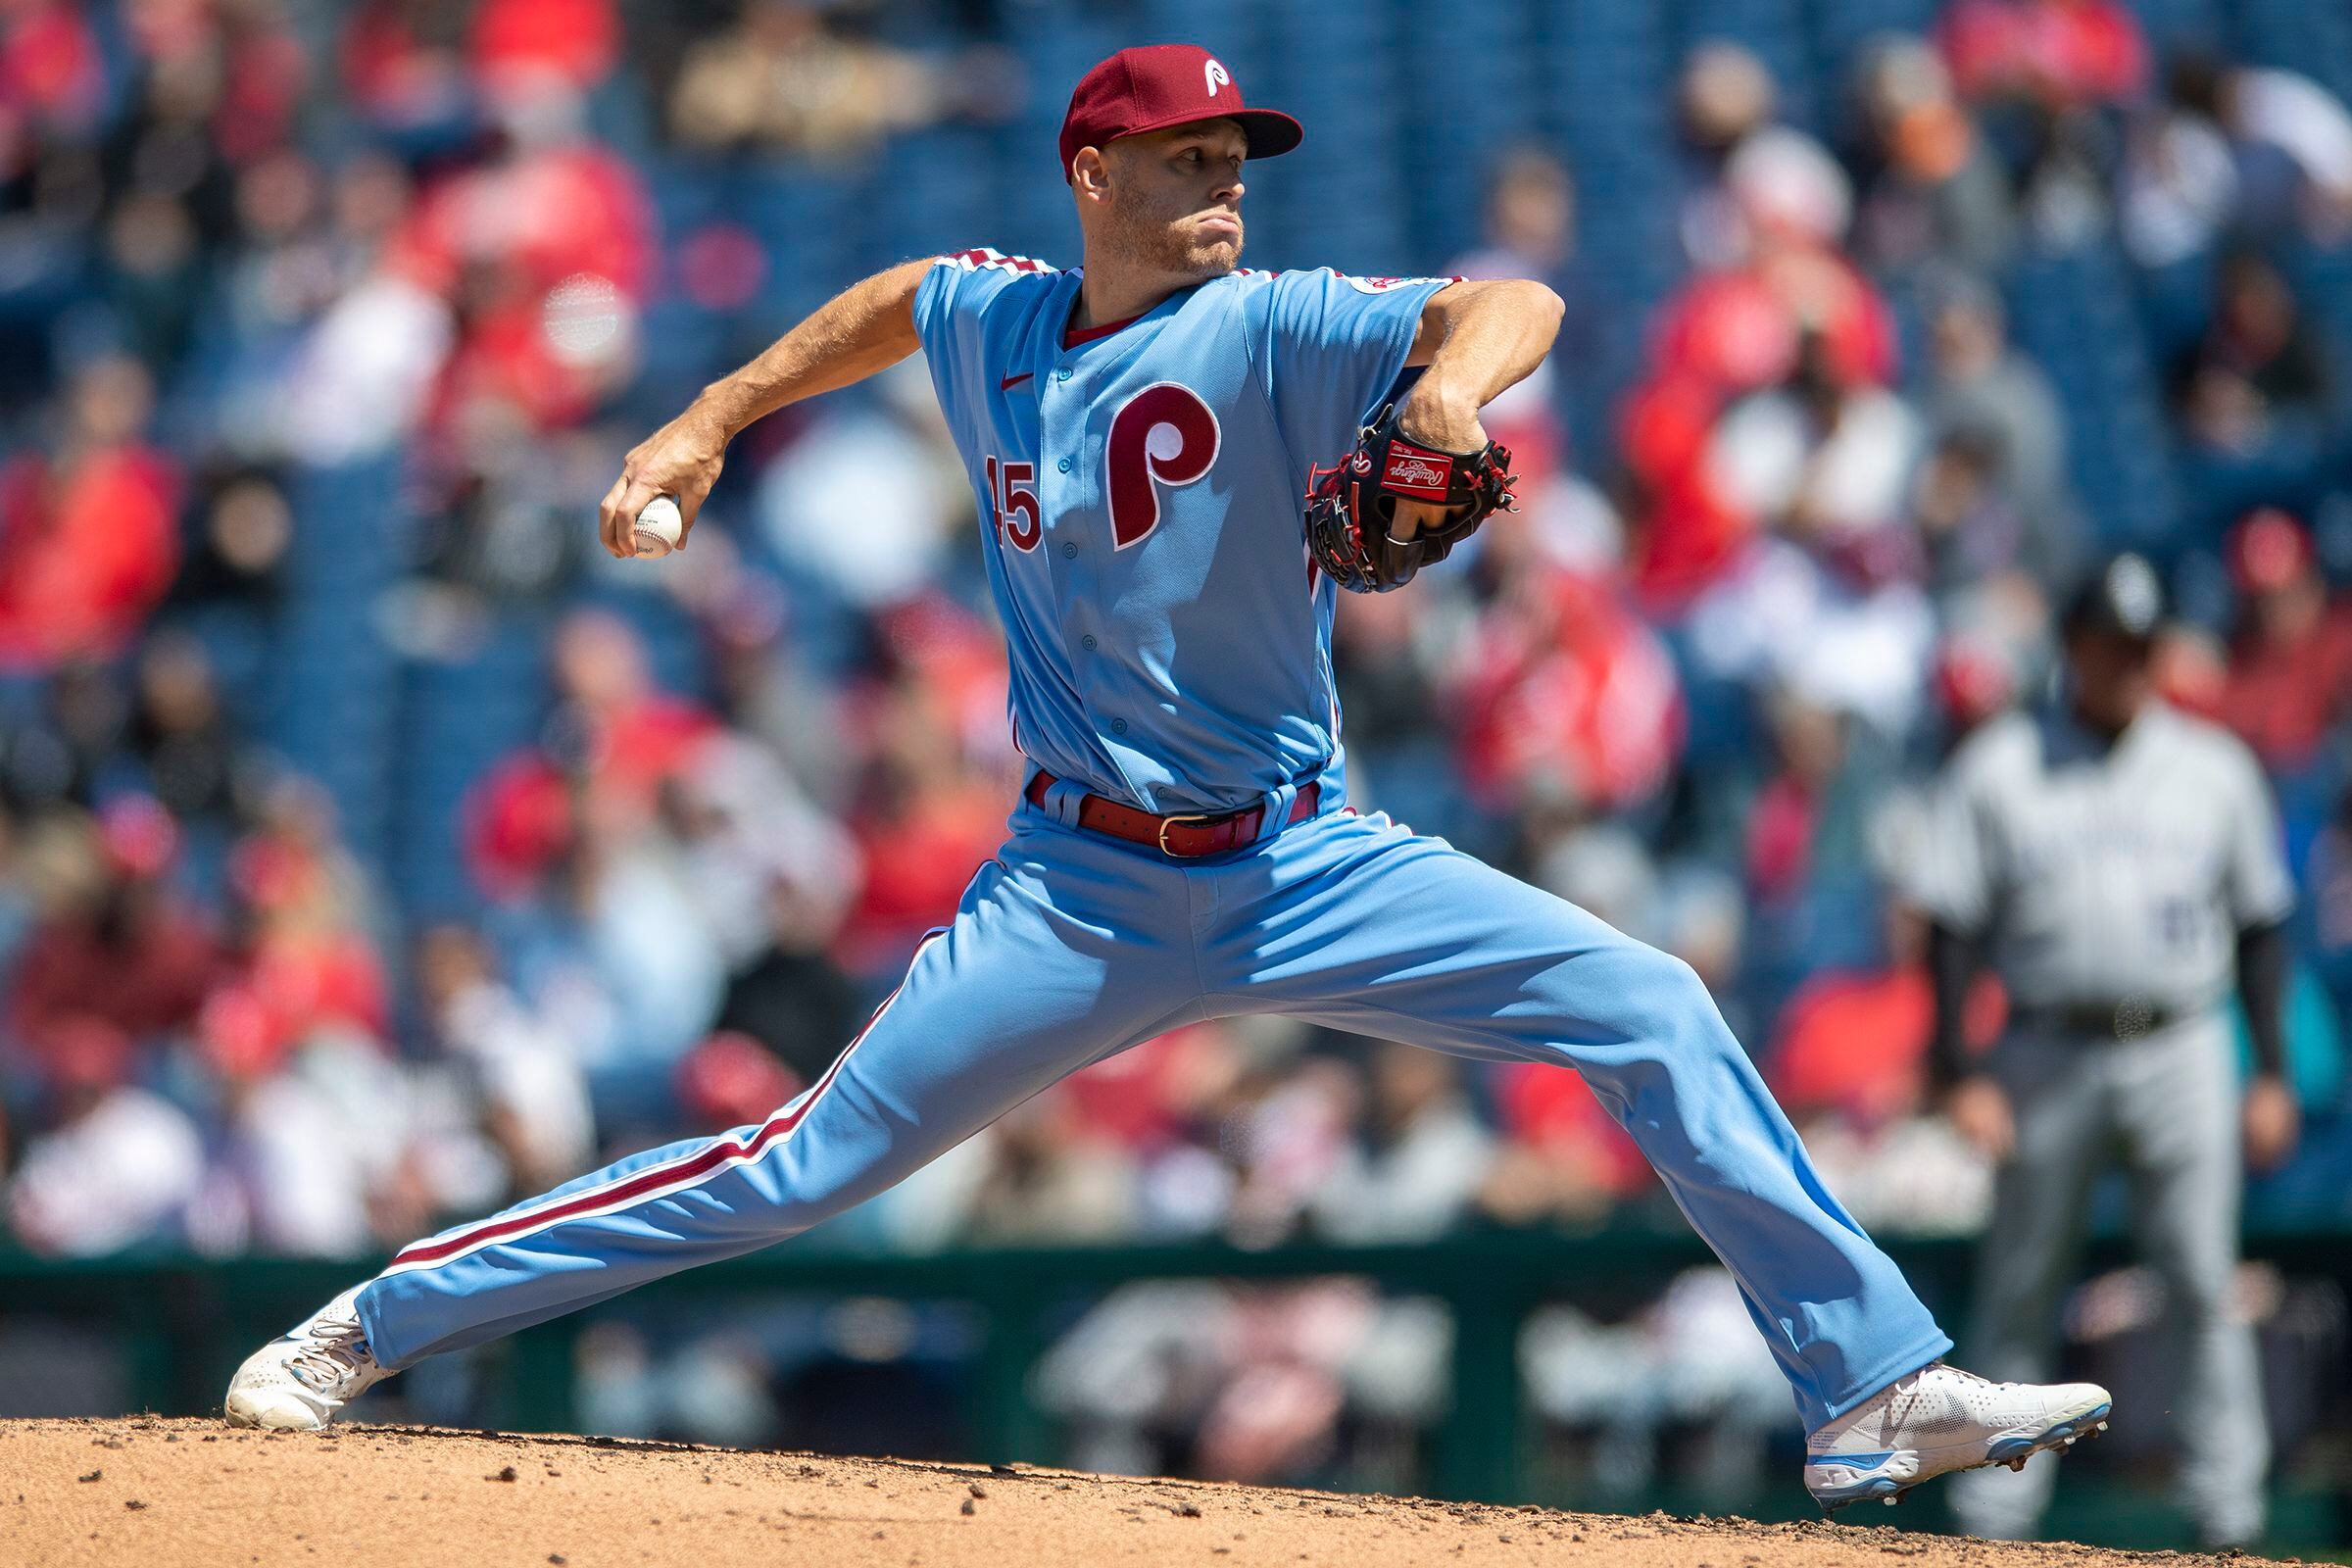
682, 458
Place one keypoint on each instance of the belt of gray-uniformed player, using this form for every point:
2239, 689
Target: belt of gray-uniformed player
2122, 1018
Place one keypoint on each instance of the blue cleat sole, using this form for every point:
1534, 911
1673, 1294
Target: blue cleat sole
2016, 1450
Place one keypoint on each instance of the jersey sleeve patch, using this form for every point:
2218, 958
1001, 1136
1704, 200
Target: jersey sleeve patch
956, 293
1381, 285
984, 257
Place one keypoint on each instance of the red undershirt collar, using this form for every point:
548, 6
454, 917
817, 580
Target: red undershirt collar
1072, 336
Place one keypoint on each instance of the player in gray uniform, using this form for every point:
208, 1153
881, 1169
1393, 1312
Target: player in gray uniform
2118, 862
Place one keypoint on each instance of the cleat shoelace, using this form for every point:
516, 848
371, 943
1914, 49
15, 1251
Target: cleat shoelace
332, 1355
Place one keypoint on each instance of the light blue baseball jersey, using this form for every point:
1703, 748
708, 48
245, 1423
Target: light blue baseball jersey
1142, 489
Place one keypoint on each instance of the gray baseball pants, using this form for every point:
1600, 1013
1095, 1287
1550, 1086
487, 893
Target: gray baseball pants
2164, 1107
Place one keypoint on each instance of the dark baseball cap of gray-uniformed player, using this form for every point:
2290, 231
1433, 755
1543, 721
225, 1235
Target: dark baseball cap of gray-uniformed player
1165, 84
2124, 598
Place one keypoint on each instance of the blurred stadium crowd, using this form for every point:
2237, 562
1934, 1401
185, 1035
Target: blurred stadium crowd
374, 851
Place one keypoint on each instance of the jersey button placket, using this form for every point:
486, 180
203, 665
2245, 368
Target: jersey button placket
1071, 472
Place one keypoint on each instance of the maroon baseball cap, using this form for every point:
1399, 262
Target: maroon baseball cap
1167, 84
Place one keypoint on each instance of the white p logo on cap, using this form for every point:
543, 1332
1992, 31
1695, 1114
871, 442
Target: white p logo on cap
1217, 77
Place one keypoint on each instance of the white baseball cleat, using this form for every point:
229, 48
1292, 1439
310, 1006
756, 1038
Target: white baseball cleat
1940, 1419
302, 1380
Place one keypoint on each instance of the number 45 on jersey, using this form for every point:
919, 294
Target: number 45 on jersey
1139, 458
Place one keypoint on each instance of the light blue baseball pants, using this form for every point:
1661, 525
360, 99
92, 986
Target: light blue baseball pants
1070, 947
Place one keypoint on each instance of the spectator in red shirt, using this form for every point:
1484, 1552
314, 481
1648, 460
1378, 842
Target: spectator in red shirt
545, 253
554, 205
1567, 1158
2290, 663
2057, 53
1855, 1041
244, 65
89, 536
403, 65
1566, 694
123, 951
52, 77
611, 732
521, 47
2047, 76
1792, 299
923, 820
308, 965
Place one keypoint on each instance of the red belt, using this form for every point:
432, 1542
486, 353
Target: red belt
1181, 835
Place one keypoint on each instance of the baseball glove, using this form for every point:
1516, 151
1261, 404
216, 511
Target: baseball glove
1349, 506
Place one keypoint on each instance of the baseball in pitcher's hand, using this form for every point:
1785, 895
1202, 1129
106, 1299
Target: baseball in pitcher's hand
682, 458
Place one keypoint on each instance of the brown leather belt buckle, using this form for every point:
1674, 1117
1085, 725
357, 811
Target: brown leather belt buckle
1171, 820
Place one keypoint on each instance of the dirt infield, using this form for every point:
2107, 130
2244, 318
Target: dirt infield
163, 1494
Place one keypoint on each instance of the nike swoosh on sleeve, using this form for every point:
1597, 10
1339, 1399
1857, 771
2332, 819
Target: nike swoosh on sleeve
1011, 381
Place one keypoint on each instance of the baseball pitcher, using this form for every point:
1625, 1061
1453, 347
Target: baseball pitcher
1140, 431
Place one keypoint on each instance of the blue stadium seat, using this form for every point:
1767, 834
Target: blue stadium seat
808, 217
336, 718
2073, 313
1843, 28
1470, 93
457, 721
2321, 279
2173, 26
938, 192
1606, 71
1234, 30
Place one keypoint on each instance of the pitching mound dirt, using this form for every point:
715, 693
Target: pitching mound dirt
161, 1494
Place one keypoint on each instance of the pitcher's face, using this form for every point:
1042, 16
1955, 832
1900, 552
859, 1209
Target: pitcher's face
1176, 199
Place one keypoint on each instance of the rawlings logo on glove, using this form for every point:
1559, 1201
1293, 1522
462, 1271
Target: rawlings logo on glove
1349, 517
1414, 473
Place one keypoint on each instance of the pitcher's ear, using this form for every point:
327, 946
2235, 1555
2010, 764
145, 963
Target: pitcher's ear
1089, 174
